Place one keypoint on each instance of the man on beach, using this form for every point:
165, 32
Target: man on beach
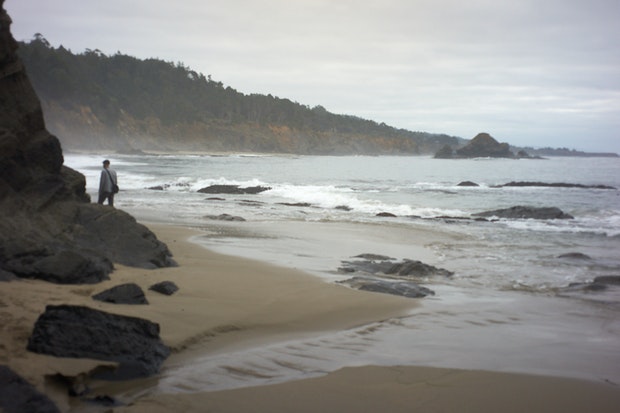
107, 184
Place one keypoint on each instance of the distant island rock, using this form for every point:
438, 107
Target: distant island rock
482, 145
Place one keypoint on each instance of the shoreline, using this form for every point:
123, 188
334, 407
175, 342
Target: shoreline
229, 303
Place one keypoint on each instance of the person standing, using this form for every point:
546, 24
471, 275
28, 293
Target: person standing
108, 185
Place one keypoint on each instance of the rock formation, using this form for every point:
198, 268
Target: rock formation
48, 227
484, 145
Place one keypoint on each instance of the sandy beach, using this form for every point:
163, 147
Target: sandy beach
227, 303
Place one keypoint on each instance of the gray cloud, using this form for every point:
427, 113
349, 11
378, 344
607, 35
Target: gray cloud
529, 72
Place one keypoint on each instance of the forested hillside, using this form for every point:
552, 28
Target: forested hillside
96, 102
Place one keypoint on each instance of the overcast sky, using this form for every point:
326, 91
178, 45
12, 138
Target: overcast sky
529, 72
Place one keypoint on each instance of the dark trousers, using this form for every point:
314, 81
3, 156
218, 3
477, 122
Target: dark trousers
106, 195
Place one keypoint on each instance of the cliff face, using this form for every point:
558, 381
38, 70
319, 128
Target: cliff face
48, 227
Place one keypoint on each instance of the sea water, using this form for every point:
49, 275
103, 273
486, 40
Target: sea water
506, 308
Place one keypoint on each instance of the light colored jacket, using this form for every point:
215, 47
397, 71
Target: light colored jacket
105, 183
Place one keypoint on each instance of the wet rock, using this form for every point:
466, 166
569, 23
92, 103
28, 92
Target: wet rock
575, 256
386, 215
129, 293
295, 204
525, 212
608, 279
233, 189
374, 257
553, 185
405, 268
467, 183
400, 288
165, 287
82, 332
343, 208
19, 396
225, 217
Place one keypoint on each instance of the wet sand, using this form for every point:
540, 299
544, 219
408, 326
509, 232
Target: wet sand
228, 303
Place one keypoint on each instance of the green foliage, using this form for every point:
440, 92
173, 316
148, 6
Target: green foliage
175, 94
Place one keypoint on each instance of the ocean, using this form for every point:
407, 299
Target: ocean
507, 306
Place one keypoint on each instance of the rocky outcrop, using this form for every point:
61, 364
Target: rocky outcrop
82, 332
484, 145
48, 228
387, 266
525, 212
402, 288
379, 273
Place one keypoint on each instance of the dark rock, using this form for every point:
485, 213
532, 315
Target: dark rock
295, 204
215, 198
225, 217
53, 232
129, 293
7, 276
61, 267
552, 185
156, 188
343, 208
608, 279
401, 288
104, 400
575, 256
19, 396
232, 189
525, 212
374, 257
405, 268
467, 183
484, 145
165, 287
82, 332
386, 215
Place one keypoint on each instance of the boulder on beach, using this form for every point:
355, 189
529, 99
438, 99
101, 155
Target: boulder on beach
165, 287
82, 332
129, 293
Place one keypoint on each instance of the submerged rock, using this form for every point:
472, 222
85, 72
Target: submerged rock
575, 256
233, 189
405, 268
225, 217
467, 183
553, 185
525, 212
82, 332
402, 288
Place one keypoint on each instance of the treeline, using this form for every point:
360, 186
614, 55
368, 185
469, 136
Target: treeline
155, 97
